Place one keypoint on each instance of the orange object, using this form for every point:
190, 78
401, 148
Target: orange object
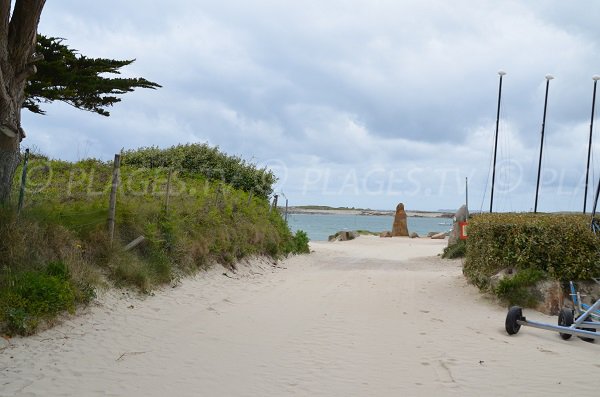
463, 230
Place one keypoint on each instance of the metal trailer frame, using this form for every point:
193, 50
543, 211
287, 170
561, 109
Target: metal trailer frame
587, 330
581, 307
583, 321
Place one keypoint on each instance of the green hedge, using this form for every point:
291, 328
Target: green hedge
209, 162
563, 246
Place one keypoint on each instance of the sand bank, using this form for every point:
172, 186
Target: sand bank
368, 317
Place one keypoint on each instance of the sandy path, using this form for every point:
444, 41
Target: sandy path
370, 317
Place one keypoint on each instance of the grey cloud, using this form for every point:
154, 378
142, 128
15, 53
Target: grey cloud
343, 85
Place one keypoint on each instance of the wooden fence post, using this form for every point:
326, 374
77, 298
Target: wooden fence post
274, 206
286, 210
23, 182
112, 207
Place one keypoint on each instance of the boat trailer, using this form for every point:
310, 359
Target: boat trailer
571, 322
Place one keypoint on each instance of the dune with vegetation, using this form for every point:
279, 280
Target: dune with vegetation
193, 205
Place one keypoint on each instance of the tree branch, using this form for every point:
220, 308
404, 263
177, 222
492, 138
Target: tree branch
22, 31
64, 75
4, 18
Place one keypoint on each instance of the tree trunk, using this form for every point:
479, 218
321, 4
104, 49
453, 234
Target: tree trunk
10, 137
9, 161
18, 32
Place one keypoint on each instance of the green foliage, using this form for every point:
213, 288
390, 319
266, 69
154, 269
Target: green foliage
563, 246
300, 243
64, 75
517, 290
61, 232
203, 161
367, 233
31, 296
129, 270
58, 270
456, 250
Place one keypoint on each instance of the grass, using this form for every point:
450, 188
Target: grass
456, 250
32, 296
57, 252
517, 290
367, 233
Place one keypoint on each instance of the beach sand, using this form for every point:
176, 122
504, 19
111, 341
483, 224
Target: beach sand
368, 317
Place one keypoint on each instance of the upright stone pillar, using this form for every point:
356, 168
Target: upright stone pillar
400, 227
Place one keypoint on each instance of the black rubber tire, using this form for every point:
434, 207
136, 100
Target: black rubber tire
514, 313
589, 340
583, 338
565, 319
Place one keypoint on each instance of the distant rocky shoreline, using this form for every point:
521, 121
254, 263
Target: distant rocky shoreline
365, 212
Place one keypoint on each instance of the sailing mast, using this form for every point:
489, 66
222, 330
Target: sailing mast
501, 73
537, 188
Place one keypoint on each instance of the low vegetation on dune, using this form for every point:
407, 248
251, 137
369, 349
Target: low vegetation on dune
456, 250
201, 160
56, 252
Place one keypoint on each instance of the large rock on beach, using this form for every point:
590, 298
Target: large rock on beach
400, 227
461, 216
385, 234
439, 236
551, 295
343, 235
414, 235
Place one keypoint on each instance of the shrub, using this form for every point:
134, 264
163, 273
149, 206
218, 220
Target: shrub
517, 290
209, 162
127, 270
32, 296
300, 243
58, 270
563, 246
456, 250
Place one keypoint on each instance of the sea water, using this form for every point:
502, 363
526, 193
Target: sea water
319, 227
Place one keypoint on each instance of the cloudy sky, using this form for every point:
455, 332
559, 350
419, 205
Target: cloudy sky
351, 103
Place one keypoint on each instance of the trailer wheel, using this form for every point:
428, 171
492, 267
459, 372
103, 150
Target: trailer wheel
514, 313
583, 338
565, 319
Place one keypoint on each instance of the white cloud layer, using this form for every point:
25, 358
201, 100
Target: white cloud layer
354, 103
